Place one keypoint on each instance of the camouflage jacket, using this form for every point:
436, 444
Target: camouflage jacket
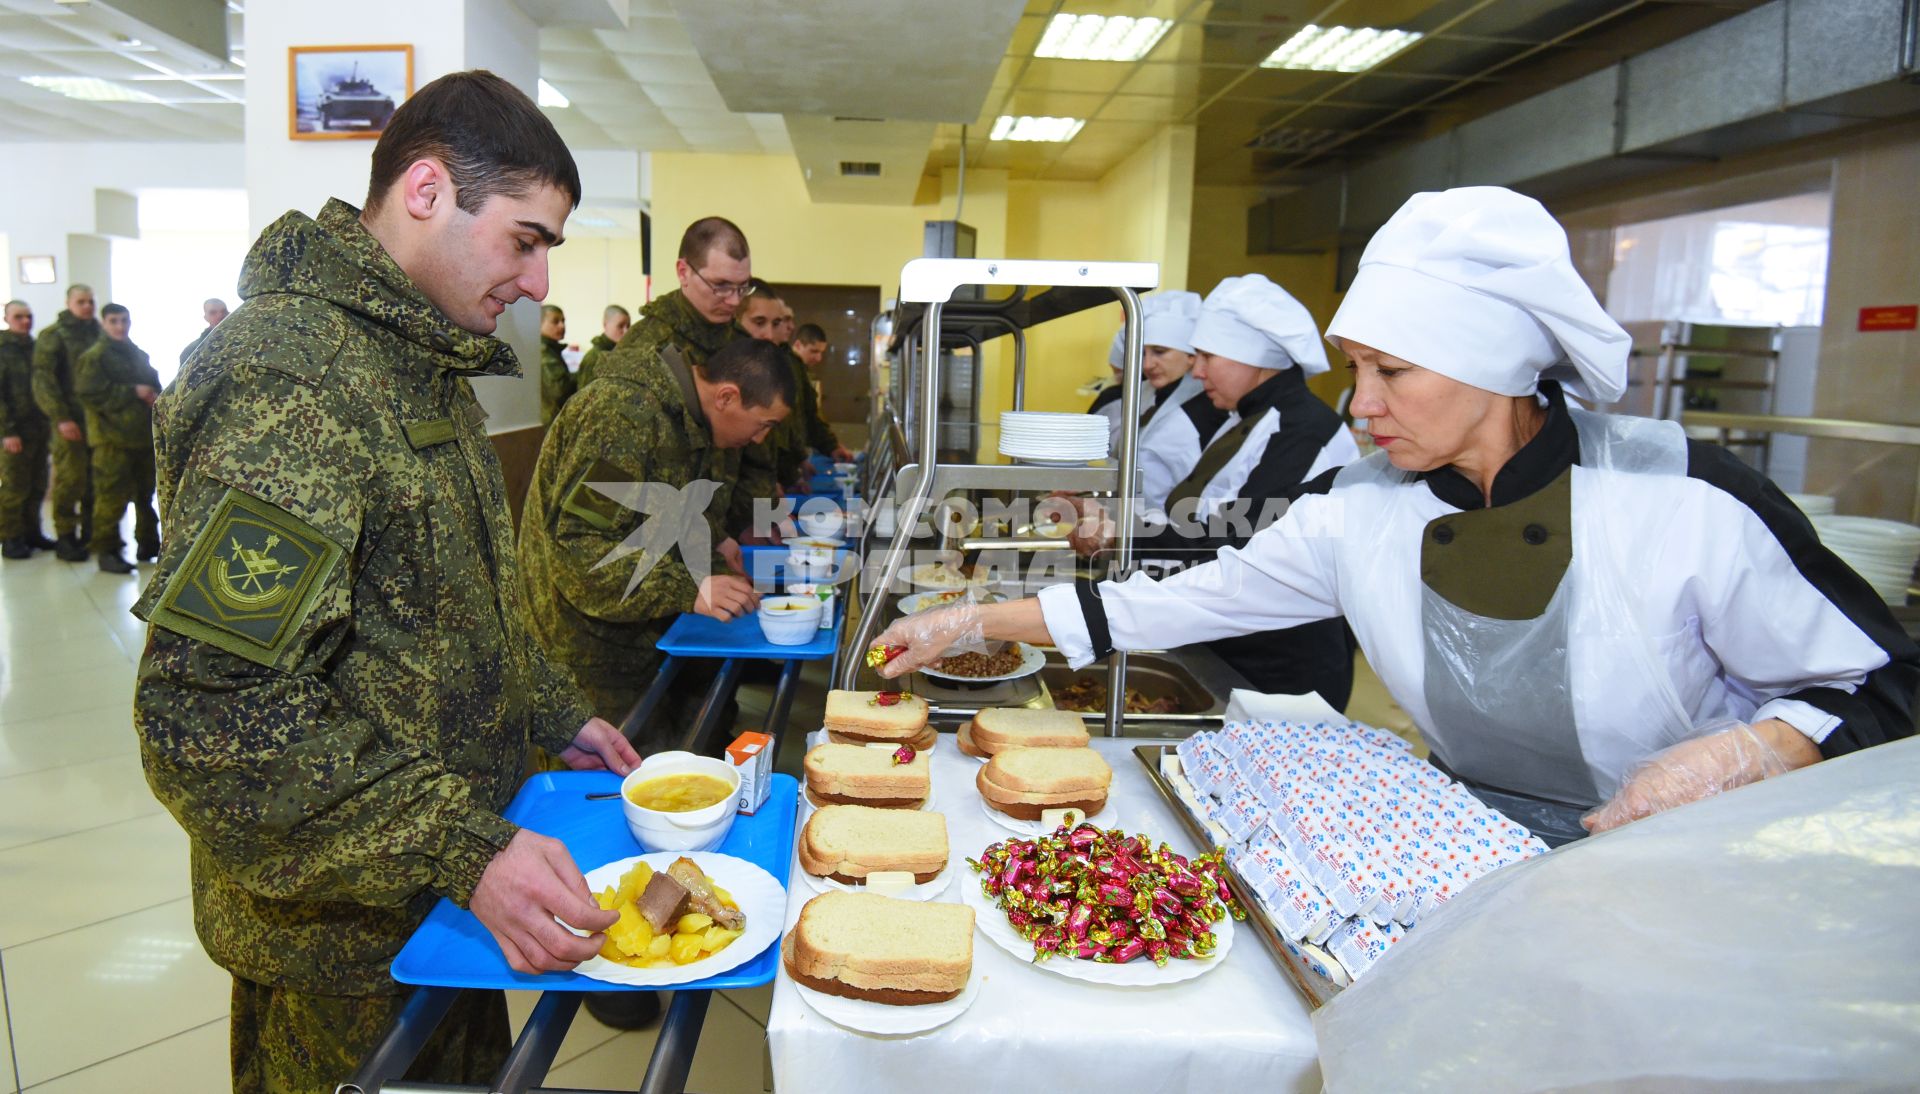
20, 416
597, 350
338, 690
819, 435
556, 383
638, 422
55, 353
103, 383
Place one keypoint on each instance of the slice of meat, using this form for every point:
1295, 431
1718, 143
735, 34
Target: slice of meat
661, 902
700, 895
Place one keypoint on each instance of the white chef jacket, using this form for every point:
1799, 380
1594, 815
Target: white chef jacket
1171, 443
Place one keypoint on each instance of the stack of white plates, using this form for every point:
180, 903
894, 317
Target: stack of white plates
1882, 551
1813, 505
1053, 438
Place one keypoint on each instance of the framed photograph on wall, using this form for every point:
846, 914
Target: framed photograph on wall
345, 92
36, 270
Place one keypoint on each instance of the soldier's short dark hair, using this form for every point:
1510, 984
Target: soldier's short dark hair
492, 139
759, 369
710, 233
113, 310
809, 333
551, 309
613, 310
12, 304
78, 287
760, 288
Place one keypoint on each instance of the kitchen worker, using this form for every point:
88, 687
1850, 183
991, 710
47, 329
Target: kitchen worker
1254, 346
614, 322
1106, 401
1589, 617
810, 346
556, 383
338, 691
23, 440
116, 385
1178, 422
55, 353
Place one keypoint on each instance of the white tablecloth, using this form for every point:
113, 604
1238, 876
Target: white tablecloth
1241, 1026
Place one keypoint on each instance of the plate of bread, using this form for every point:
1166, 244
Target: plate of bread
874, 964
900, 853
881, 776
879, 717
996, 729
683, 917
1019, 787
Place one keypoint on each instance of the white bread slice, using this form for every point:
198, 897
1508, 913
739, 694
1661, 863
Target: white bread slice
927, 738
848, 842
856, 712
997, 729
862, 775
864, 946
996, 793
963, 740
1049, 770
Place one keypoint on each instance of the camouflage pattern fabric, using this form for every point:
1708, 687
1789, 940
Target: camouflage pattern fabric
23, 476
787, 442
597, 350
55, 354
338, 690
556, 383
284, 1041
103, 384
123, 477
638, 422
819, 434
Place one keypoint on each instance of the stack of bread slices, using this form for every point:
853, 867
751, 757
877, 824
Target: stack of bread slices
863, 946
840, 774
1027, 782
851, 843
996, 729
879, 717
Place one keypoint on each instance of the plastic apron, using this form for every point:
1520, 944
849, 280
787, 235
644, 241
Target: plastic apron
1500, 699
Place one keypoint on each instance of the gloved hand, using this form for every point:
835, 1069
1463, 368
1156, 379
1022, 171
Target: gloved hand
1702, 767
920, 639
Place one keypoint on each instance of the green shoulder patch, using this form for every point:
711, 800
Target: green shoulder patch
596, 509
249, 580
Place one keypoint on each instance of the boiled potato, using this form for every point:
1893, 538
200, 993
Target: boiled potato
685, 949
633, 941
693, 923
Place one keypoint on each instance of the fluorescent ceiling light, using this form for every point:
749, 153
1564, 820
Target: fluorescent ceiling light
89, 88
1101, 37
1026, 128
1339, 49
550, 96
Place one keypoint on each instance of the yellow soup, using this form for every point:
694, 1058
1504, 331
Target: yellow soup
680, 793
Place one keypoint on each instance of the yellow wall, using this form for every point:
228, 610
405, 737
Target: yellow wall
590, 272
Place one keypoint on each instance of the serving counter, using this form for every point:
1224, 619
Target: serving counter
1241, 1026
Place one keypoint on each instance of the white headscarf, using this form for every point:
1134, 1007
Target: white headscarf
1254, 321
1477, 284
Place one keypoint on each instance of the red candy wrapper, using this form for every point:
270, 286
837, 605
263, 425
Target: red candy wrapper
889, 698
903, 755
880, 655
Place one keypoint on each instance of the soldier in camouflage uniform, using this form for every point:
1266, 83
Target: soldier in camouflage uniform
648, 418
759, 317
809, 347
55, 354
614, 323
23, 440
338, 692
556, 383
116, 385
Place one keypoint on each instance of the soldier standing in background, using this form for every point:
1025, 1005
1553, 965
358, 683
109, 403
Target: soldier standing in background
338, 692
556, 383
810, 346
213, 310
116, 384
54, 354
760, 317
613, 327
23, 440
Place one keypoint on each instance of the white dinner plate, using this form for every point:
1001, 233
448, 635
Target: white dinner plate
1031, 661
925, 890
1138, 973
933, 575
914, 603
1107, 817
761, 898
881, 1018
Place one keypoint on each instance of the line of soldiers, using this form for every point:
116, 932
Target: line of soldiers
81, 396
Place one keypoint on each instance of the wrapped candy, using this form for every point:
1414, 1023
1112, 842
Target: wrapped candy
903, 755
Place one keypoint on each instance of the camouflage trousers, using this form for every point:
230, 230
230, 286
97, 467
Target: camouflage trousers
123, 476
292, 1042
70, 495
23, 486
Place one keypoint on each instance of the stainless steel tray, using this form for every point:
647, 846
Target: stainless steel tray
1315, 988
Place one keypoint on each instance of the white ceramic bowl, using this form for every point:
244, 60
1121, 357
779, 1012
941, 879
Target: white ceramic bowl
844, 469
816, 571
825, 594
812, 549
790, 620
820, 519
695, 830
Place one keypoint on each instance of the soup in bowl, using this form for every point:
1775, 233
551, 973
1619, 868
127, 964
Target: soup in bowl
677, 801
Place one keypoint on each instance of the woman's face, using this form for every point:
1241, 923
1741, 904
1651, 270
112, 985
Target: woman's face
1226, 380
1423, 419
1162, 366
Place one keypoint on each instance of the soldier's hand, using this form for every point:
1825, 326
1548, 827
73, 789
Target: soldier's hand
70, 430
147, 394
11, 445
524, 888
730, 551
600, 747
726, 597
843, 454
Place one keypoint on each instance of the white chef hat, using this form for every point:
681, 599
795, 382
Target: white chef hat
1476, 283
1252, 320
1166, 319
1117, 353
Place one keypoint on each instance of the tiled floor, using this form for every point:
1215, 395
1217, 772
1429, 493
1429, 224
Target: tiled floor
103, 986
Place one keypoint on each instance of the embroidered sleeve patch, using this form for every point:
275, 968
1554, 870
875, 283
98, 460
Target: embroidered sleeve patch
249, 581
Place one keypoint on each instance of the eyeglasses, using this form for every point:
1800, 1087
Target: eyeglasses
724, 291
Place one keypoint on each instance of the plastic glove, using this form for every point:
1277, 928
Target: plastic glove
1699, 768
920, 639
1094, 529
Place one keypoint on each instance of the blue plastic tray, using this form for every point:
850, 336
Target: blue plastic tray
452, 950
695, 635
